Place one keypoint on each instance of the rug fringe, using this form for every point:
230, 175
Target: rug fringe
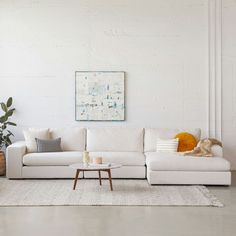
215, 202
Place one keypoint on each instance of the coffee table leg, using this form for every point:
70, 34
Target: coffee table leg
110, 180
100, 180
76, 178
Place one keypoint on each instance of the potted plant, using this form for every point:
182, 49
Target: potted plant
5, 133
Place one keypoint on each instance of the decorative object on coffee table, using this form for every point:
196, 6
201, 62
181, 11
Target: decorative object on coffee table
100, 95
5, 134
94, 167
97, 160
86, 158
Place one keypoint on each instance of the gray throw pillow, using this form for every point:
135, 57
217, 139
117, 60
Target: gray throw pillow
51, 145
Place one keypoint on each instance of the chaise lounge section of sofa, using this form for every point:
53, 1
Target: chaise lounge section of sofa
175, 168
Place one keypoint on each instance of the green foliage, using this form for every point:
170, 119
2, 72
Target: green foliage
5, 134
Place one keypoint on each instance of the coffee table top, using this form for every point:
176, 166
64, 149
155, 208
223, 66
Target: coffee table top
92, 167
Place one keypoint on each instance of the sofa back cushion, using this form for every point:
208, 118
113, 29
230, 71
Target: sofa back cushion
115, 139
72, 139
152, 134
30, 136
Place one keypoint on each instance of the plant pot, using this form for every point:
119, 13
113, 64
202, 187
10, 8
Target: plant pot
2, 164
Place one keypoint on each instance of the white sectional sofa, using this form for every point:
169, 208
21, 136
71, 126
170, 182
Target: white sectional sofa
134, 148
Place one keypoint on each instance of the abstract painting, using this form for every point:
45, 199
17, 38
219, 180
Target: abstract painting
100, 96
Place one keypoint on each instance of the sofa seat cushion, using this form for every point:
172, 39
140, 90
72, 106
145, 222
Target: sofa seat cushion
177, 162
52, 158
123, 158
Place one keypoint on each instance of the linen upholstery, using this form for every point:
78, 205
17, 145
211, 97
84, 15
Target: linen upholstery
52, 158
189, 177
14, 155
177, 162
151, 135
53, 145
167, 145
72, 139
115, 139
30, 136
123, 158
119, 145
187, 142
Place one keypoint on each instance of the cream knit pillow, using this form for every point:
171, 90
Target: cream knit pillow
167, 145
30, 136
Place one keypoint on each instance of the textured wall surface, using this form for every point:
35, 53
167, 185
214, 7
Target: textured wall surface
229, 79
162, 46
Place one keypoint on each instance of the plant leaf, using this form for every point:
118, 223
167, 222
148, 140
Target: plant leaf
9, 102
4, 107
11, 123
9, 132
3, 119
5, 134
10, 112
7, 141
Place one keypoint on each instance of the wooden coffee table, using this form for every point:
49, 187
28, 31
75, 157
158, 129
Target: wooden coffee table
81, 167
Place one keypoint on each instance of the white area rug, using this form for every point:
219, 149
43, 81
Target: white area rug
88, 192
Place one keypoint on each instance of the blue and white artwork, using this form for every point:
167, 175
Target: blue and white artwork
100, 96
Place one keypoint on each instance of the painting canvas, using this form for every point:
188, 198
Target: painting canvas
100, 96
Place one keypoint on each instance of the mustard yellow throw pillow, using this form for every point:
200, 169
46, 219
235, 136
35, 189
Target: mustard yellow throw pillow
187, 141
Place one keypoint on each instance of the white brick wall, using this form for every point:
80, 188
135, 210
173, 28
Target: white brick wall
161, 44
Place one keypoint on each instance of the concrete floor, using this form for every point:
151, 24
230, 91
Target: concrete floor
123, 221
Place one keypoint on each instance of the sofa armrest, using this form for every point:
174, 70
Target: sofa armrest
217, 151
14, 156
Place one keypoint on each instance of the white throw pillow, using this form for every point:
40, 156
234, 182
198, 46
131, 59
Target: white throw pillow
30, 136
167, 145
